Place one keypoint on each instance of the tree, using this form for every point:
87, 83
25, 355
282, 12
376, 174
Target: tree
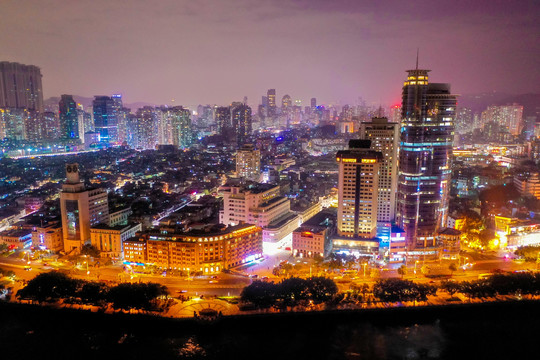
451, 287
260, 293
136, 296
93, 293
402, 270
90, 250
49, 286
529, 253
452, 267
321, 289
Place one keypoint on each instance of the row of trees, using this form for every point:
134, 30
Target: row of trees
289, 292
497, 284
54, 286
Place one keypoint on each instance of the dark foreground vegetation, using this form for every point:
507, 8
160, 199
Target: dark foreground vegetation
470, 331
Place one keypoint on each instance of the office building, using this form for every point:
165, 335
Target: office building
248, 163
69, 118
105, 121
384, 137
20, 86
207, 251
427, 133
358, 190
109, 239
80, 208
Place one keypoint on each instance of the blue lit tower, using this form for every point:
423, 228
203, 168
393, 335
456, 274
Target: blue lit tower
427, 132
69, 118
105, 121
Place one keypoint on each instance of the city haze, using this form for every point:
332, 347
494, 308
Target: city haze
217, 52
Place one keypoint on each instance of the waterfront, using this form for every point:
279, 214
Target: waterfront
479, 331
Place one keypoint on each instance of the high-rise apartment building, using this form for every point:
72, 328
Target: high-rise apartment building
384, 137
80, 208
357, 190
507, 116
271, 100
146, 130
105, 122
427, 132
179, 120
14, 123
222, 117
241, 123
248, 162
69, 118
313, 103
20, 86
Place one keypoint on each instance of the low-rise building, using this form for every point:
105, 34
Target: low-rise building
48, 237
120, 217
16, 238
109, 239
528, 184
207, 251
313, 236
449, 241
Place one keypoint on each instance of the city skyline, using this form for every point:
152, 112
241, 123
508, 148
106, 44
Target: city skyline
335, 53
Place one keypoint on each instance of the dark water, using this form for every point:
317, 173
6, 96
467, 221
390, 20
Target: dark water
488, 331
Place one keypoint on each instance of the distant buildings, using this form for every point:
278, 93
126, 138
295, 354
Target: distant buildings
20, 86
105, 121
69, 118
428, 112
241, 123
528, 184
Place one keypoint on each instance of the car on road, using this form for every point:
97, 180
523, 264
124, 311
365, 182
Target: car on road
27, 268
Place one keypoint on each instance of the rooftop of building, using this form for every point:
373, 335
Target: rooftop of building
310, 228
116, 227
322, 216
211, 230
252, 187
449, 231
16, 232
279, 222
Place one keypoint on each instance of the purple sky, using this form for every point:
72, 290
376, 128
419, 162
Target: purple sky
218, 51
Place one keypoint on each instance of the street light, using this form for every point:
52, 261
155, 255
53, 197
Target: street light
415, 263
364, 265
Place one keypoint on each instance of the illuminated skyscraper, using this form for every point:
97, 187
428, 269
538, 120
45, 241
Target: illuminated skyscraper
105, 121
384, 137
69, 118
20, 86
427, 132
357, 190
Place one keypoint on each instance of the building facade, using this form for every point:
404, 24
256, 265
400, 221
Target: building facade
248, 163
206, 252
109, 239
105, 121
80, 208
358, 190
20, 86
427, 133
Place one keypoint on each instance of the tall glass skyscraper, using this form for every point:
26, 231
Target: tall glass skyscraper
105, 121
427, 132
69, 118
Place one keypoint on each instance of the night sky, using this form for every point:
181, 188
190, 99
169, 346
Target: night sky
215, 52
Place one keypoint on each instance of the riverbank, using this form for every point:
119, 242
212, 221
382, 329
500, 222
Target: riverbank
490, 330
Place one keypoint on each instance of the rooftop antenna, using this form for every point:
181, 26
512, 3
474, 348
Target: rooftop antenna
417, 52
